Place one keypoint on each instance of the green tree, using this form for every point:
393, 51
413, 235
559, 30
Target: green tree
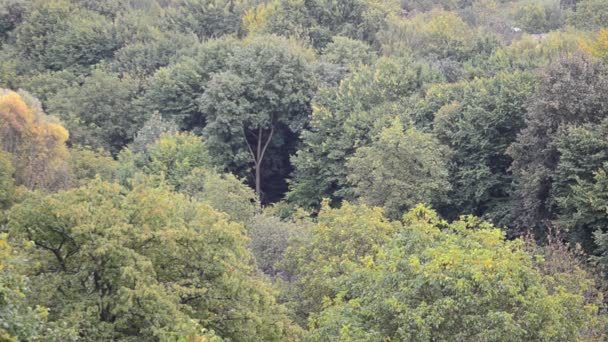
458, 281
152, 130
348, 52
578, 182
20, 322
7, 182
144, 264
182, 162
399, 170
100, 112
590, 15
346, 117
173, 90
207, 18
571, 92
340, 240
257, 105
270, 238
437, 35
11, 15
222, 191
583, 214
86, 164
537, 19
478, 120
56, 35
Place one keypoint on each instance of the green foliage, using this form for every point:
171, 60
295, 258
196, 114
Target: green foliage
86, 164
100, 112
590, 15
437, 34
176, 156
151, 131
7, 182
207, 18
288, 18
399, 170
481, 107
579, 183
183, 163
348, 52
529, 53
598, 47
174, 90
571, 92
57, 35
478, 120
461, 281
340, 240
256, 106
224, 192
20, 322
173, 156
11, 15
533, 18
345, 118
270, 238
144, 264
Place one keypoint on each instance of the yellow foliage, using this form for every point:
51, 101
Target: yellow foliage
256, 18
36, 144
598, 47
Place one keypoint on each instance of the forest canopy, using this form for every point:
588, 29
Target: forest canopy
303, 170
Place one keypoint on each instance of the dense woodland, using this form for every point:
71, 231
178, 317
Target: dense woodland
303, 170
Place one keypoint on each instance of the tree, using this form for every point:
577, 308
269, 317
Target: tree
346, 117
173, 90
20, 322
153, 129
590, 15
86, 164
399, 170
143, 57
458, 281
478, 120
583, 215
56, 35
538, 19
34, 141
340, 239
224, 192
437, 35
174, 156
288, 18
100, 112
7, 182
578, 183
182, 162
256, 104
144, 264
207, 18
270, 238
571, 92
598, 47
11, 15
348, 52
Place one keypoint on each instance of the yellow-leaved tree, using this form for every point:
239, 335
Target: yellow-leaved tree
598, 47
35, 141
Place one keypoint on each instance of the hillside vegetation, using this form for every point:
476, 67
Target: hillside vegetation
303, 170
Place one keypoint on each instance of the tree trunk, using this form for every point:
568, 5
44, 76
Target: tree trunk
258, 180
258, 157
